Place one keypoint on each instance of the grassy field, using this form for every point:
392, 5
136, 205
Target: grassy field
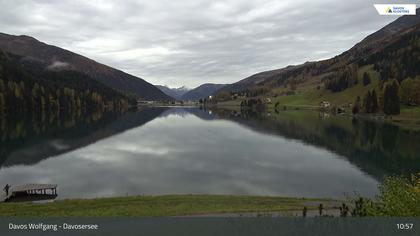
169, 205
230, 103
308, 96
307, 93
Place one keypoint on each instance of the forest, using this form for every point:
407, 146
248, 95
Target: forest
29, 87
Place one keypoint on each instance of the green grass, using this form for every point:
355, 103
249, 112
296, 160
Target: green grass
168, 205
408, 111
409, 118
308, 95
236, 102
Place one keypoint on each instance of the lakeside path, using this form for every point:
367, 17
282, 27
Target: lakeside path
170, 205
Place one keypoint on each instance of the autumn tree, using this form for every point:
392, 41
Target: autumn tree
410, 91
222, 96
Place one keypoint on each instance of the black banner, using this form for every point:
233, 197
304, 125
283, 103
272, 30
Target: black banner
231, 226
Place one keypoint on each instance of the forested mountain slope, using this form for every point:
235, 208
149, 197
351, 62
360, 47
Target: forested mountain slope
27, 88
55, 58
376, 73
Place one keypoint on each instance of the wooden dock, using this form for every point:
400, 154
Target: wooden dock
30, 191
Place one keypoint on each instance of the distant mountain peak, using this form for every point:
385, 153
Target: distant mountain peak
183, 87
173, 92
202, 91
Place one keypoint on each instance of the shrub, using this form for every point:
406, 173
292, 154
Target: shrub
398, 197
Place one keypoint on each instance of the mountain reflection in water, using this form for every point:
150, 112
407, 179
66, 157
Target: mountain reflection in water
192, 151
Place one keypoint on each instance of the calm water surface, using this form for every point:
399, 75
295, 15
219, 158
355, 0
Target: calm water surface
191, 151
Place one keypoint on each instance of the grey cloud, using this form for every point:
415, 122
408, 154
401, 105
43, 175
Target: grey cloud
191, 42
57, 65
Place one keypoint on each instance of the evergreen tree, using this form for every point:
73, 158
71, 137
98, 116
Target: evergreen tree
371, 102
392, 99
342, 79
357, 105
367, 102
366, 79
375, 105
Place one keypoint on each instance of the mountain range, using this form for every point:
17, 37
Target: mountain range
176, 93
43, 57
186, 94
202, 91
389, 53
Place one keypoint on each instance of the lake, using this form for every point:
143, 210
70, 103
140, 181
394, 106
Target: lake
163, 150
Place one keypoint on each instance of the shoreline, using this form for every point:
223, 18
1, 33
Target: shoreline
173, 205
404, 120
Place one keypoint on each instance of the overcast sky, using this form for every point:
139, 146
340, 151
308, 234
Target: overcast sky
190, 42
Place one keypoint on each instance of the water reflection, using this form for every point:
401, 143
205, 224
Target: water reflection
379, 149
179, 151
29, 140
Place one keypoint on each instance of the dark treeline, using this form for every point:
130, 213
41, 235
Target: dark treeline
343, 79
30, 88
399, 60
30, 139
389, 102
253, 104
255, 91
19, 132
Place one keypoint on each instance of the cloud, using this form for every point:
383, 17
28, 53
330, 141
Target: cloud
57, 65
190, 42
